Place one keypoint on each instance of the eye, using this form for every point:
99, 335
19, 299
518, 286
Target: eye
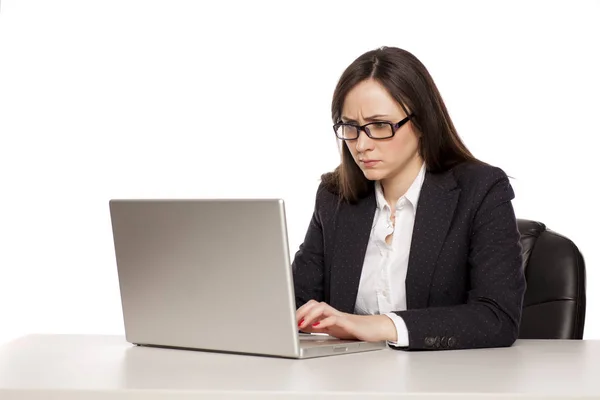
380, 125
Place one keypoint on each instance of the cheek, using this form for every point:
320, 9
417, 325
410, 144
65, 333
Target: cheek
405, 144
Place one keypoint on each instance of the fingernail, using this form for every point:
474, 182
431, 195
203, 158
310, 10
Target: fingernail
301, 321
316, 323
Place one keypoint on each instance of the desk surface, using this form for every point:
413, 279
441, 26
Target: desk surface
102, 367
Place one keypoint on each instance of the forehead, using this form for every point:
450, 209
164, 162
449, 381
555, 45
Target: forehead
367, 98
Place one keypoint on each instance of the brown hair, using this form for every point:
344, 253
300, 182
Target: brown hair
409, 83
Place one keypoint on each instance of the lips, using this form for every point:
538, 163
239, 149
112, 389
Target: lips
369, 163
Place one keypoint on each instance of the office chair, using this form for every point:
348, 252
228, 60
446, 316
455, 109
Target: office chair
554, 304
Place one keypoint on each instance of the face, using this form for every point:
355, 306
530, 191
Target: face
381, 159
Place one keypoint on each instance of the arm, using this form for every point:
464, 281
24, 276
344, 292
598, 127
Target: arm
308, 264
491, 316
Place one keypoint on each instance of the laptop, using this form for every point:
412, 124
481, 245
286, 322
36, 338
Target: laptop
212, 275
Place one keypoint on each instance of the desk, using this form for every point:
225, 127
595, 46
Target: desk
86, 367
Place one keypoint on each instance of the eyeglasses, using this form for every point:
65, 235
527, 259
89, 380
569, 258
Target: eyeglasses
374, 130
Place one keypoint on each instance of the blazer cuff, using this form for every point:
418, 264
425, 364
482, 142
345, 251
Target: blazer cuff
402, 331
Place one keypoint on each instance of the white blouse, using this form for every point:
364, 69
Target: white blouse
382, 288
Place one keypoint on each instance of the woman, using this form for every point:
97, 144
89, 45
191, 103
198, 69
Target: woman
412, 240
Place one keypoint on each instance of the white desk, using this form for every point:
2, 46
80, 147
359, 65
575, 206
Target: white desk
84, 367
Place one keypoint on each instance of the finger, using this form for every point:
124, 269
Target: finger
332, 321
315, 314
308, 304
308, 329
336, 326
312, 316
326, 322
304, 309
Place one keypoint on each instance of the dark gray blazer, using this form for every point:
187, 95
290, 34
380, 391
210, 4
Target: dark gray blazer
465, 281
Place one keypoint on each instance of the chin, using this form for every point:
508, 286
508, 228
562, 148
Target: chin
374, 175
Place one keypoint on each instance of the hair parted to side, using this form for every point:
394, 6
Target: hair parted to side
409, 83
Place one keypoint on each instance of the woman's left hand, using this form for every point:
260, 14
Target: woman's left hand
320, 317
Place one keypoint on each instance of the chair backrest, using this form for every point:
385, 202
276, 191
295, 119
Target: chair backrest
554, 304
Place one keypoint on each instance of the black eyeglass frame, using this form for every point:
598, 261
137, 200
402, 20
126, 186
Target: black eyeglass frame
365, 129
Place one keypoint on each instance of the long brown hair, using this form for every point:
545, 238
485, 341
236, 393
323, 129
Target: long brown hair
409, 83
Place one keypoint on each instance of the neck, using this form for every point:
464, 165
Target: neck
396, 186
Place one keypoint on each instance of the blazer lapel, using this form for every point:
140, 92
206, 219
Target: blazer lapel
352, 230
435, 209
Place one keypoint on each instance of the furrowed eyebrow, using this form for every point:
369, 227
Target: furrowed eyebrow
370, 118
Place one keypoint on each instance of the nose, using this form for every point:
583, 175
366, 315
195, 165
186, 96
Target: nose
363, 142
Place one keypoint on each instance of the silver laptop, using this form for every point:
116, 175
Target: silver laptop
212, 275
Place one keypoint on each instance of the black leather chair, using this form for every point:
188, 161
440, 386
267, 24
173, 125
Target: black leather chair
554, 304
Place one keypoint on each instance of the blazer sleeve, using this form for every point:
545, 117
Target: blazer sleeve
492, 313
308, 265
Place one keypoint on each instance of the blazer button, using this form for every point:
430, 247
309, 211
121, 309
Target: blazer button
451, 341
444, 341
437, 342
429, 341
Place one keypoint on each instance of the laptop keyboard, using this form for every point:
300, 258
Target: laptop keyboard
321, 339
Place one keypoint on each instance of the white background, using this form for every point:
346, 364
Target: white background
184, 99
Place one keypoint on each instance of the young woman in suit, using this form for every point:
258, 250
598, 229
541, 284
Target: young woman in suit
412, 240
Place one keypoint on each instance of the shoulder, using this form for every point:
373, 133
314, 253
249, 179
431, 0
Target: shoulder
478, 181
330, 201
325, 202
478, 176
327, 198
